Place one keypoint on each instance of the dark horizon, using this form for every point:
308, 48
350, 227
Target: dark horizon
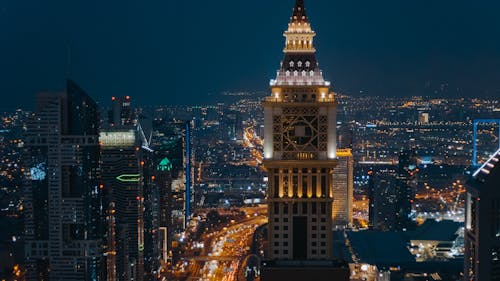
189, 53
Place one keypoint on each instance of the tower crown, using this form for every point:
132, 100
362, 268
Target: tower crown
299, 12
299, 66
299, 36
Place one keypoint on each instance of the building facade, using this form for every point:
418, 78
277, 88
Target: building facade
343, 188
123, 179
482, 223
300, 151
406, 188
64, 221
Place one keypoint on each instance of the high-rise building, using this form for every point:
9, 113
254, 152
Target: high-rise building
371, 198
169, 143
121, 113
64, 221
343, 187
163, 181
300, 149
123, 178
151, 192
189, 172
345, 136
384, 202
128, 165
233, 129
391, 193
300, 155
407, 173
482, 223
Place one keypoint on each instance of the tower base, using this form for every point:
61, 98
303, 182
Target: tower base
293, 270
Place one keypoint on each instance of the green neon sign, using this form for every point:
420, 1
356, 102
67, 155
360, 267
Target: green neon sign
165, 165
129, 178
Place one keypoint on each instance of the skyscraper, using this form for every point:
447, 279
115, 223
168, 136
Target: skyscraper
384, 200
371, 198
121, 112
300, 155
482, 223
407, 171
300, 149
127, 183
189, 172
63, 216
163, 181
343, 187
123, 178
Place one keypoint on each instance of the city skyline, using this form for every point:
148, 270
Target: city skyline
152, 51
168, 153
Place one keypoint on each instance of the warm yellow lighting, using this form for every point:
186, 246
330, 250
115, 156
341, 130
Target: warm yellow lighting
347, 152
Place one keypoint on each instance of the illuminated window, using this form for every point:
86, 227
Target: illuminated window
299, 64
292, 64
308, 64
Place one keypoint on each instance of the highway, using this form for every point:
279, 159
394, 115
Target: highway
254, 143
226, 251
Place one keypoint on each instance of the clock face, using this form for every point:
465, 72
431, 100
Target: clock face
38, 172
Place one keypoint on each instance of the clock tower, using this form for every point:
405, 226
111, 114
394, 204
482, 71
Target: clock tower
300, 149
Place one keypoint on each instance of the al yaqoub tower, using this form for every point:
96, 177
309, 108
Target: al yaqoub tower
300, 150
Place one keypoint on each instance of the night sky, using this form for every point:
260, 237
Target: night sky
185, 52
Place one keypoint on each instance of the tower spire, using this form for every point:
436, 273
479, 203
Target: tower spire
299, 66
299, 12
299, 36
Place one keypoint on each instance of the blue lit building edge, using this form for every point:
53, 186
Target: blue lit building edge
474, 140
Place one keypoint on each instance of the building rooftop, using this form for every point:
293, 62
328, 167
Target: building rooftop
306, 263
380, 248
432, 230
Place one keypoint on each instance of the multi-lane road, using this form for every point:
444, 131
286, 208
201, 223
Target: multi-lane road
226, 253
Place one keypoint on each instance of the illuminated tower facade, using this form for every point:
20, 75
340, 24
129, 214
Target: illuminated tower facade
343, 186
300, 150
